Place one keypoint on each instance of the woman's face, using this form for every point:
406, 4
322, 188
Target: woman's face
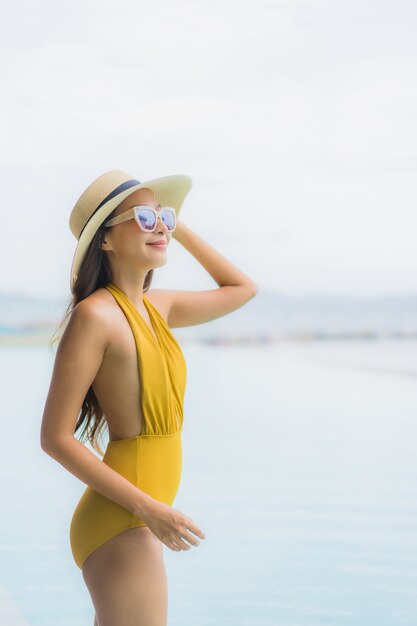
127, 244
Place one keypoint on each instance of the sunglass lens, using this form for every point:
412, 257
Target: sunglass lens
168, 217
147, 219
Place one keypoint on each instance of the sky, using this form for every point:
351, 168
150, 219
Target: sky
296, 120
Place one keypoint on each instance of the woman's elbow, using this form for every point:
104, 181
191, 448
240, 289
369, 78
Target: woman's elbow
49, 442
45, 442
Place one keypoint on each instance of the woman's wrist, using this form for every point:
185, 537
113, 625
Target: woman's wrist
142, 503
180, 228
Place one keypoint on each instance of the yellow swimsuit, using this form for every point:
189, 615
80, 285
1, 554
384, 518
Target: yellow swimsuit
152, 460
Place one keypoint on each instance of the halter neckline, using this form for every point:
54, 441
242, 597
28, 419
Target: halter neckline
150, 309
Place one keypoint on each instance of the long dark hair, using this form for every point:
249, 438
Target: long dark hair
93, 274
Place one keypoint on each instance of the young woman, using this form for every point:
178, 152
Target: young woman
118, 366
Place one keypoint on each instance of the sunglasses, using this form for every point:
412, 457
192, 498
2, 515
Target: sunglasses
147, 217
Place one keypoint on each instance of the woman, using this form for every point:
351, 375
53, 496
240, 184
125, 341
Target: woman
119, 366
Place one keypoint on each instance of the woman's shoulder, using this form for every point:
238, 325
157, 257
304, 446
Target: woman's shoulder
99, 306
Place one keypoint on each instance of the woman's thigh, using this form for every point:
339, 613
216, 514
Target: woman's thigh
127, 581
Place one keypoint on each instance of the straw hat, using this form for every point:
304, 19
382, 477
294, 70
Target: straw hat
105, 193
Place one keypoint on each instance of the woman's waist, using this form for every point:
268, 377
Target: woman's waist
145, 435
151, 462
143, 449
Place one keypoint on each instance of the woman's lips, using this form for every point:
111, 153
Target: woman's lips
158, 245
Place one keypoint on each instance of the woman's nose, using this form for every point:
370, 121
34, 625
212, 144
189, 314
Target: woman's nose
160, 223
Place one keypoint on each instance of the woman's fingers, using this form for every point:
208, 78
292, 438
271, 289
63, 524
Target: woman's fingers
172, 527
172, 546
190, 538
195, 529
180, 540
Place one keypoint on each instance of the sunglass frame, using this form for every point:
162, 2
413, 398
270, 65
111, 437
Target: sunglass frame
133, 213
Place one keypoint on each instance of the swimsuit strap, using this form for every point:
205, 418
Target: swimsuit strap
161, 367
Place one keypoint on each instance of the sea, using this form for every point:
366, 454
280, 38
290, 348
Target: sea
299, 464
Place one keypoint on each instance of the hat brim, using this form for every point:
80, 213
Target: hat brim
169, 191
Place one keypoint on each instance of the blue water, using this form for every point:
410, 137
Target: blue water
300, 466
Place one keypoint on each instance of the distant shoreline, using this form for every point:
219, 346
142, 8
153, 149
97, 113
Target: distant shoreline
43, 337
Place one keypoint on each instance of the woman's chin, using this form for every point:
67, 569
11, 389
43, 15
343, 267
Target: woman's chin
161, 263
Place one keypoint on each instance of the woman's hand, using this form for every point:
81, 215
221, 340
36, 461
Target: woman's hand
171, 526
